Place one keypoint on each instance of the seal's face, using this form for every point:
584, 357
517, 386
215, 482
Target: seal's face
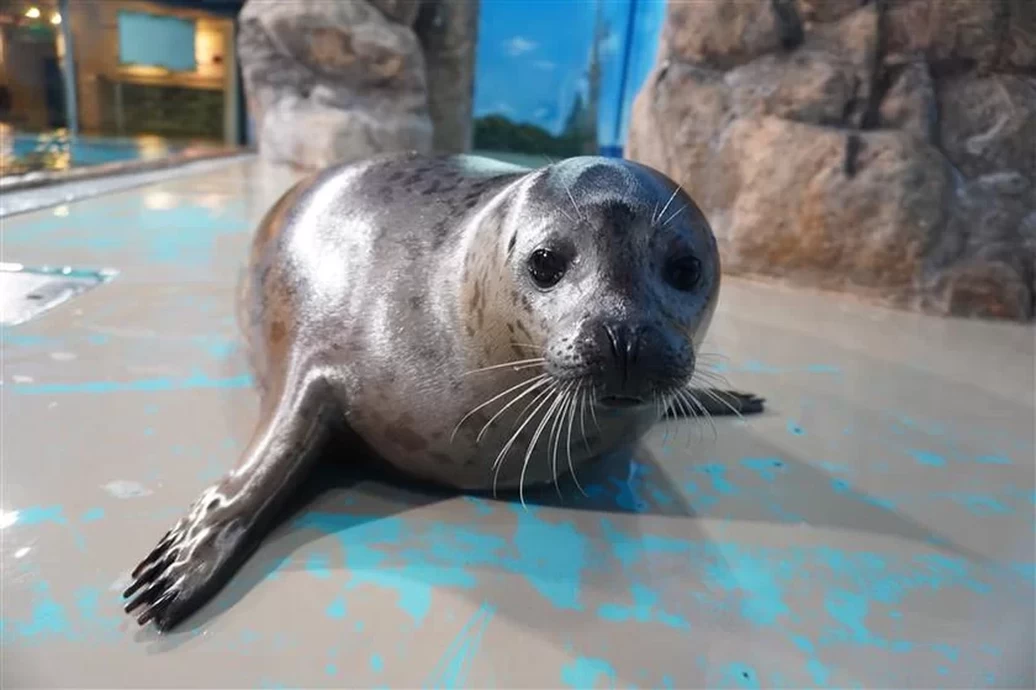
622, 283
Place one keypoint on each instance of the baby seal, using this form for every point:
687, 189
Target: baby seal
472, 323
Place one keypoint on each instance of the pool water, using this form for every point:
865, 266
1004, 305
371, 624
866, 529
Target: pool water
56, 151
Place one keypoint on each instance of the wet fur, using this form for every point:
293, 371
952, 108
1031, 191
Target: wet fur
337, 268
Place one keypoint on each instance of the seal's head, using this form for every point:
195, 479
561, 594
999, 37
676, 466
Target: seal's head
617, 271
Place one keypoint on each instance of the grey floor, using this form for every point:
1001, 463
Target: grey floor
874, 528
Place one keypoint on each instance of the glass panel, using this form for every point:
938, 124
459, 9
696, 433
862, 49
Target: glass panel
557, 79
86, 84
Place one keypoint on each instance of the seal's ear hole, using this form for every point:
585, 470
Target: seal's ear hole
547, 267
683, 272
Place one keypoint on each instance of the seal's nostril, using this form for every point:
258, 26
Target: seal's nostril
615, 340
633, 345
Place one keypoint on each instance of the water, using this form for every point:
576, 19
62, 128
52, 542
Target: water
55, 151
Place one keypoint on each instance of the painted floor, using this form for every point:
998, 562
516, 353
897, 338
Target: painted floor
874, 528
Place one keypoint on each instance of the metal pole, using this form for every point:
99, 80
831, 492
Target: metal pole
69, 65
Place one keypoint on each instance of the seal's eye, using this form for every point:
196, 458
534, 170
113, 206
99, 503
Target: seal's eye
683, 273
547, 267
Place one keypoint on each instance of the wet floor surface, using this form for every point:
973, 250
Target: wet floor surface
874, 528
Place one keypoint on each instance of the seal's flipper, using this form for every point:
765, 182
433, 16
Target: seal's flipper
200, 554
717, 403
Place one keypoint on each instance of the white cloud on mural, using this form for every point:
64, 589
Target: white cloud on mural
518, 46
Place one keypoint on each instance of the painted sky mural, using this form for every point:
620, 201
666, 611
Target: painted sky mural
558, 77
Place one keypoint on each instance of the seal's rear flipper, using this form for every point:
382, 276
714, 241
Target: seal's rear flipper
717, 403
196, 558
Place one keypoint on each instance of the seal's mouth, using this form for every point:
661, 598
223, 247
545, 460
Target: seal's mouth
621, 401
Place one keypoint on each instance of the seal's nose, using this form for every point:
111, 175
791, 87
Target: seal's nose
623, 380
625, 345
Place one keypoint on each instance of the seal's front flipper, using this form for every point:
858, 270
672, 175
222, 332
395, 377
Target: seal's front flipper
714, 402
200, 554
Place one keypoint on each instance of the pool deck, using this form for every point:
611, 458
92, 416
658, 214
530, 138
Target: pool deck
874, 528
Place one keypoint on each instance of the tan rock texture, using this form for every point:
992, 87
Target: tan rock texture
334, 81
884, 148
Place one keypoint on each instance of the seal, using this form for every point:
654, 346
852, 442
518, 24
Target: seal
473, 323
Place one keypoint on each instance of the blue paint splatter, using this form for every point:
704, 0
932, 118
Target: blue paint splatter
927, 458
993, 460
762, 597
756, 367
377, 663
93, 514
645, 609
482, 506
585, 672
40, 514
767, 468
820, 673
851, 610
336, 609
196, 380
794, 429
331, 669
626, 496
316, 565
718, 473
452, 669
980, 505
840, 486
823, 369
48, 616
991, 650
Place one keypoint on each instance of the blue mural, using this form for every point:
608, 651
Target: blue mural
559, 78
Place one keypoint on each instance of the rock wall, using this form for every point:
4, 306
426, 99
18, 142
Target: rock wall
333, 81
885, 148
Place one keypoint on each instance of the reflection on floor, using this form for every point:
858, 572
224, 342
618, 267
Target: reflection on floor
874, 528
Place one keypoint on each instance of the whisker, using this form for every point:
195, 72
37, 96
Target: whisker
532, 446
516, 364
687, 410
535, 381
715, 395
673, 216
536, 347
710, 379
574, 204
667, 419
544, 380
704, 412
593, 405
662, 212
582, 416
499, 461
568, 445
555, 434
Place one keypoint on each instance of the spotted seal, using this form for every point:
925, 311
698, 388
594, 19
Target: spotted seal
473, 323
